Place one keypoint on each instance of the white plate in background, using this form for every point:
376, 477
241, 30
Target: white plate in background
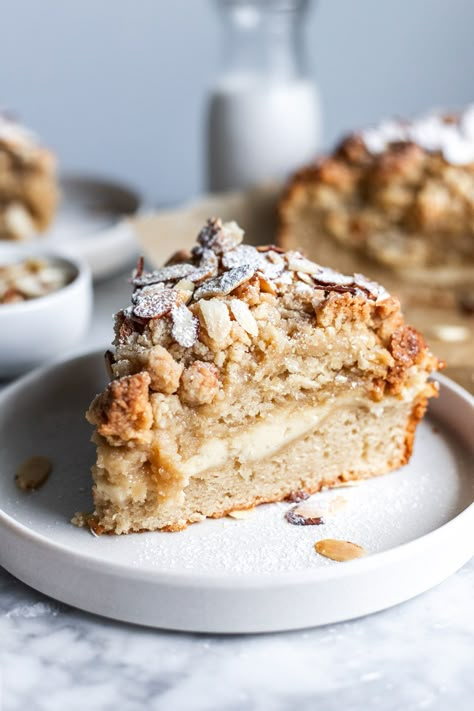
255, 575
92, 223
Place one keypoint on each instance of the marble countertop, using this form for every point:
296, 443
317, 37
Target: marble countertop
418, 655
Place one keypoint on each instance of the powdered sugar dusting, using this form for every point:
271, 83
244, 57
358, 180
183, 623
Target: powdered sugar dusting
155, 303
227, 282
453, 138
378, 514
185, 326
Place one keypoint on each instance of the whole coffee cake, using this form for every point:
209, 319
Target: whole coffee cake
399, 195
243, 374
28, 189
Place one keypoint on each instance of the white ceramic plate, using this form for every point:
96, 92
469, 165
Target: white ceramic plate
93, 223
255, 575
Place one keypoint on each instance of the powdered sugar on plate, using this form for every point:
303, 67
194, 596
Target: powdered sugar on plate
379, 514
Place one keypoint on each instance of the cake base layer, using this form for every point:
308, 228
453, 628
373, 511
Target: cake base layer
345, 443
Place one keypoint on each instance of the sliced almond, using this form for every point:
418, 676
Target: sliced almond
339, 550
244, 316
225, 283
32, 473
297, 263
215, 315
241, 513
298, 517
302, 276
266, 285
186, 289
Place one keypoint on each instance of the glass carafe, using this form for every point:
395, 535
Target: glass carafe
263, 111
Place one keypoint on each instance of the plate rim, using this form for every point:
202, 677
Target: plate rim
233, 579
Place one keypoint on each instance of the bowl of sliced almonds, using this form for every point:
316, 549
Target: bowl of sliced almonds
45, 307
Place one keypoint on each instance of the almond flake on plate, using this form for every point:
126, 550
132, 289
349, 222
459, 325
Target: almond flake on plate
241, 513
33, 472
339, 550
299, 517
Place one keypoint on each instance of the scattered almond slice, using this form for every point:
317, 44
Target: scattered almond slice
240, 513
339, 550
450, 333
336, 504
298, 517
314, 513
33, 473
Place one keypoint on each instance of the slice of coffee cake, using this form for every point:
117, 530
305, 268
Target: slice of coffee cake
242, 374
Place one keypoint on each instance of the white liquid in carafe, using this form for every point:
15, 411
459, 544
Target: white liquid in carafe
260, 130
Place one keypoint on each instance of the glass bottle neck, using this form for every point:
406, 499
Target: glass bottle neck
262, 38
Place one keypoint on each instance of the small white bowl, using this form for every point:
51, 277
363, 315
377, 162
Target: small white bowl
37, 330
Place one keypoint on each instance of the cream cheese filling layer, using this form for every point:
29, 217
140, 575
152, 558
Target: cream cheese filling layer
260, 440
263, 439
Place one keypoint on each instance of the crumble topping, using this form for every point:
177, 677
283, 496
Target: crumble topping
189, 341
219, 266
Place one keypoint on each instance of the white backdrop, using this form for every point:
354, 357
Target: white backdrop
117, 86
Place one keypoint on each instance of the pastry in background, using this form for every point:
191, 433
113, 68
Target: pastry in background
243, 374
396, 199
28, 187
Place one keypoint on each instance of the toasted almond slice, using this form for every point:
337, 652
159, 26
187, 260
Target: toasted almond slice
241, 513
302, 518
297, 263
32, 473
216, 319
302, 276
339, 550
186, 289
266, 285
244, 316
